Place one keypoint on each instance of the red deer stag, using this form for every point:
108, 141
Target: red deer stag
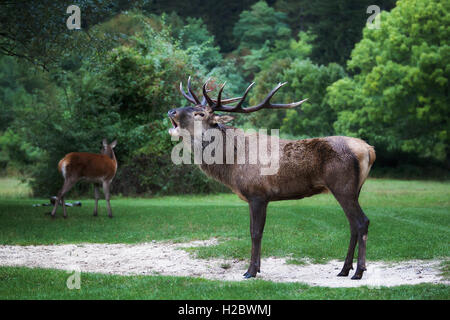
306, 167
92, 167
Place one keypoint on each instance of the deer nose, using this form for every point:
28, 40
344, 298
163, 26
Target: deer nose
172, 113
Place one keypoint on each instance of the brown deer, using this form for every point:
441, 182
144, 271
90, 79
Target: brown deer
306, 167
92, 167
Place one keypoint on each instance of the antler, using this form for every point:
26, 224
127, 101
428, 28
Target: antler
221, 105
191, 97
265, 104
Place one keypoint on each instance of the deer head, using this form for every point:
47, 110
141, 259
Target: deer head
204, 111
107, 149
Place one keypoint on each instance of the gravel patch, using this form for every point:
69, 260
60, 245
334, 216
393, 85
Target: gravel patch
167, 258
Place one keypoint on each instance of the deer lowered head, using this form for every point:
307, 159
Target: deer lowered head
92, 167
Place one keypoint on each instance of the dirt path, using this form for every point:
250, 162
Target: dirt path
166, 258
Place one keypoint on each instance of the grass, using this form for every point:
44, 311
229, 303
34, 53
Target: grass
11, 187
26, 283
409, 220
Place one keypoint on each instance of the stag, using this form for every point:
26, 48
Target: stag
92, 167
335, 164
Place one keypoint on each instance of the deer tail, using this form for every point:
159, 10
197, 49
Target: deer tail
372, 155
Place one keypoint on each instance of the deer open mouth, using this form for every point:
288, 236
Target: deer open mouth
174, 123
175, 130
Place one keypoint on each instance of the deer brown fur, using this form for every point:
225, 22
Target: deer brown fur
307, 167
91, 167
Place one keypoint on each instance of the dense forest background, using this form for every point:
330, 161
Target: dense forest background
65, 90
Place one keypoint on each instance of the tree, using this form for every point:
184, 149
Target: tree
219, 16
398, 99
260, 24
198, 41
124, 96
337, 25
289, 50
304, 80
37, 32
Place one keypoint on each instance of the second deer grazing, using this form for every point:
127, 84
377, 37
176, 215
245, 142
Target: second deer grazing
306, 167
92, 167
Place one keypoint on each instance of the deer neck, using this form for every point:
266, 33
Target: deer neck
220, 171
112, 156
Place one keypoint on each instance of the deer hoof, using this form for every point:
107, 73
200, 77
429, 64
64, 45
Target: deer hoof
358, 274
248, 275
344, 272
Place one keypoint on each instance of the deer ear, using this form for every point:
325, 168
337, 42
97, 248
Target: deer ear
105, 142
113, 144
222, 119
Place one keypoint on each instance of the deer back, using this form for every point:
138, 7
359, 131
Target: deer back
90, 166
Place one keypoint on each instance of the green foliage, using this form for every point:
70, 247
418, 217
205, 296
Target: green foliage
315, 117
304, 80
261, 60
36, 31
337, 25
260, 24
145, 81
145, 76
199, 43
219, 16
124, 97
398, 99
73, 119
395, 96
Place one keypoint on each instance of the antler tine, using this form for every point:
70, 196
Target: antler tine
266, 101
191, 92
188, 97
237, 108
206, 97
230, 100
219, 96
214, 102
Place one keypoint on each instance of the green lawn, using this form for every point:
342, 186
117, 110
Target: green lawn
25, 283
11, 187
409, 220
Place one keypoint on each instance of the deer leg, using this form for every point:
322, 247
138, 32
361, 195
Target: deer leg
55, 207
64, 206
359, 225
258, 210
68, 184
97, 196
363, 229
348, 264
106, 186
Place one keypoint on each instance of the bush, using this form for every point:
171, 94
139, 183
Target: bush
398, 98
